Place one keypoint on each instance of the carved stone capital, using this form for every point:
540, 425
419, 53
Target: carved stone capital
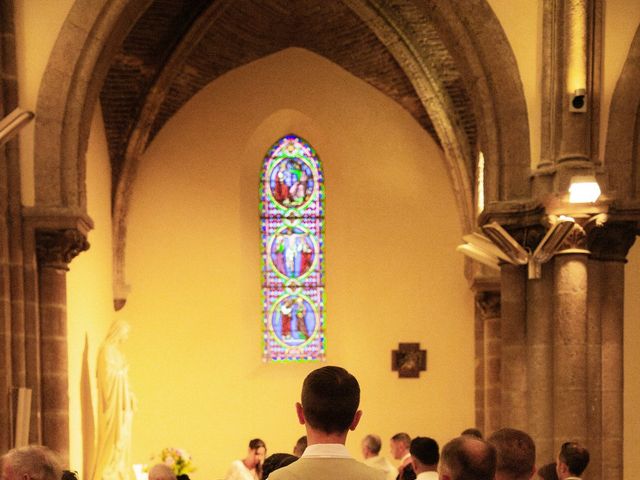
575, 241
488, 304
611, 241
56, 248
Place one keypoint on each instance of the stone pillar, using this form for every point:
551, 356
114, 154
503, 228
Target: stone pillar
540, 363
5, 339
570, 346
479, 390
612, 369
488, 309
594, 367
55, 249
513, 367
609, 243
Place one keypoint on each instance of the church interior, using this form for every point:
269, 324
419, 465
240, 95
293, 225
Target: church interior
133, 194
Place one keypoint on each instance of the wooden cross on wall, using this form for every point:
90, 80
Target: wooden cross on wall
408, 360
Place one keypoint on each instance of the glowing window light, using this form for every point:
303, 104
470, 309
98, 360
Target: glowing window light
292, 230
584, 190
480, 183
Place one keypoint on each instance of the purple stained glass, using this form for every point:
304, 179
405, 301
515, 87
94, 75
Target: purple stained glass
292, 229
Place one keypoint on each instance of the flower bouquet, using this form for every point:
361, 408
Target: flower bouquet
177, 459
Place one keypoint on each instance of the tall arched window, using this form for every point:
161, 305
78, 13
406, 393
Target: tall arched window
292, 229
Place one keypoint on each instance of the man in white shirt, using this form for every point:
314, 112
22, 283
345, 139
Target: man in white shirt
425, 455
371, 446
328, 409
572, 460
400, 443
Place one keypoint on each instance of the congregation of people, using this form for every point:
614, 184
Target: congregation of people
329, 411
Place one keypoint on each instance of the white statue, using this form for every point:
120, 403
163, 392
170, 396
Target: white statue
115, 408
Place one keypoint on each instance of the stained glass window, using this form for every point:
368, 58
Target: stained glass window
292, 229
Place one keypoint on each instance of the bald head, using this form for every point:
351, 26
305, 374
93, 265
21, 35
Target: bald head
160, 471
467, 458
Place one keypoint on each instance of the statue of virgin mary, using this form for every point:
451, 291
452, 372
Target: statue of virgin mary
115, 407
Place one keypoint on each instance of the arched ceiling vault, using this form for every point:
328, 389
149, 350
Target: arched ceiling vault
147, 82
175, 48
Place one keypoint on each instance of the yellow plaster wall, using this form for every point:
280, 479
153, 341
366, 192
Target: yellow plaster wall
194, 267
522, 24
38, 23
89, 299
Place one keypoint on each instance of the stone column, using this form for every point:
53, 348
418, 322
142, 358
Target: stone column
570, 342
488, 309
5, 338
540, 363
609, 243
55, 249
479, 391
513, 367
594, 367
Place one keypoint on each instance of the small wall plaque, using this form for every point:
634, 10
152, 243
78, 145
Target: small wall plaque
408, 360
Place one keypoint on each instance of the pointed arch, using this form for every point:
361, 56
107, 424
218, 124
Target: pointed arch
622, 151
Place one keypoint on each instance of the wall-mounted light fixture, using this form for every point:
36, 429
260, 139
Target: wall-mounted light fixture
13, 123
578, 101
499, 246
584, 189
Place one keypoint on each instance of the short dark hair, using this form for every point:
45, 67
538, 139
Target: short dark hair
469, 458
516, 452
403, 438
300, 446
575, 456
548, 472
330, 399
276, 461
426, 450
474, 432
373, 443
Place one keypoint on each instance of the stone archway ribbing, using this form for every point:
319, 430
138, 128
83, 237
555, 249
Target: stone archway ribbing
484, 56
69, 89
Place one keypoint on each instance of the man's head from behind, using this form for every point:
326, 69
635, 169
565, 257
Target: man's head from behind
330, 399
425, 454
467, 458
399, 445
34, 462
572, 460
300, 446
161, 471
516, 454
371, 445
